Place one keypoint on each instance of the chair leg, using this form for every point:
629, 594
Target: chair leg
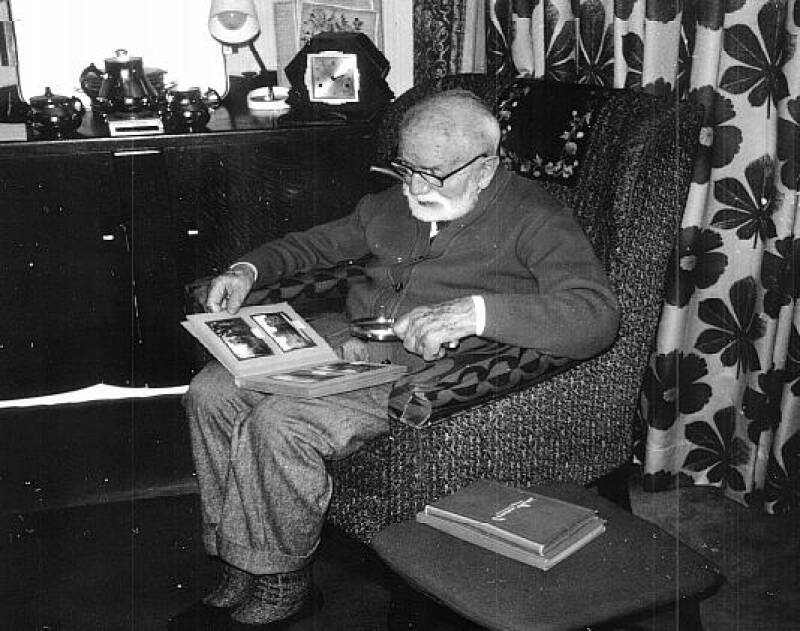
615, 486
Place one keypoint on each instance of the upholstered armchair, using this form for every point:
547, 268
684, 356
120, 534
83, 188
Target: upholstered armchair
623, 161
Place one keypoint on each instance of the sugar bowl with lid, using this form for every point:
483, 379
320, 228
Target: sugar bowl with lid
53, 115
189, 109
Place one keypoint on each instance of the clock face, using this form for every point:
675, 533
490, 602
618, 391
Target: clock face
332, 77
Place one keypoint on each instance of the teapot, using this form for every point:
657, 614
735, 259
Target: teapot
53, 115
189, 109
123, 88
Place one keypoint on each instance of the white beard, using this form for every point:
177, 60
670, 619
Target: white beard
432, 206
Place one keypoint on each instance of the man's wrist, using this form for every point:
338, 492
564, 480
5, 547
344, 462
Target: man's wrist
245, 266
480, 313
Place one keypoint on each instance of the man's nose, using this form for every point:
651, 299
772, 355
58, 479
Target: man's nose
418, 185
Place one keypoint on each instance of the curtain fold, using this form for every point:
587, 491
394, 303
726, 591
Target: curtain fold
449, 37
720, 403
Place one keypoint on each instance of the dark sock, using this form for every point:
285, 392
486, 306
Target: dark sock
233, 588
275, 597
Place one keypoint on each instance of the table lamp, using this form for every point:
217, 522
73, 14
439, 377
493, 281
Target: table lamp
235, 23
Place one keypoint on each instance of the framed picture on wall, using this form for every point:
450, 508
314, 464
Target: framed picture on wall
296, 21
317, 17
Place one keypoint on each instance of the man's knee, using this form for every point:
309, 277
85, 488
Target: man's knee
330, 428
209, 388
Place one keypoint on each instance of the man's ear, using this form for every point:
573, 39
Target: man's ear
488, 168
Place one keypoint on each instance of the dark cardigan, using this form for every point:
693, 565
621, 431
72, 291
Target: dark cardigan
520, 248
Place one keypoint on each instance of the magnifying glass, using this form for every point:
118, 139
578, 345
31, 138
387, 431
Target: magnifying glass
379, 329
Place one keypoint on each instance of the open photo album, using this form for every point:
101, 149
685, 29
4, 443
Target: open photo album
270, 348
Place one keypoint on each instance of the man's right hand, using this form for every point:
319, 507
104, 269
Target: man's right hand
229, 290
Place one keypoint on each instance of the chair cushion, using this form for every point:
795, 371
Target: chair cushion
545, 127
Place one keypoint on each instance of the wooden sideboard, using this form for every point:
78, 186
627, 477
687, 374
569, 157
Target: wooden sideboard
99, 235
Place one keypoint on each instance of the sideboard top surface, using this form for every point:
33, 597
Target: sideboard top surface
226, 127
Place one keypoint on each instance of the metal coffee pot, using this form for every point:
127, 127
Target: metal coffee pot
124, 87
189, 109
53, 115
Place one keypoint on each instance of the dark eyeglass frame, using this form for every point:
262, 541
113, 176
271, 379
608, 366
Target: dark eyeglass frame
406, 172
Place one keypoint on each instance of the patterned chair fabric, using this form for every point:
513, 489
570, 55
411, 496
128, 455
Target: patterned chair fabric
509, 413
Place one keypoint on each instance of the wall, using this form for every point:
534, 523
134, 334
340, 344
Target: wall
56, 40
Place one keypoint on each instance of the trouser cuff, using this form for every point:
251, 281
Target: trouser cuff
260, 561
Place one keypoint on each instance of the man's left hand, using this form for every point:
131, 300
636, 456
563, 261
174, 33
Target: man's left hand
427, 330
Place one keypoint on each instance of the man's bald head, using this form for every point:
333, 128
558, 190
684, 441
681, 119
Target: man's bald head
451, 135
457, 120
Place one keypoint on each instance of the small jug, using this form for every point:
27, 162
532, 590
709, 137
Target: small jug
189, 109
55, 116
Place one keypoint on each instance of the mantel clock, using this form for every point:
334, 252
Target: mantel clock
338, 76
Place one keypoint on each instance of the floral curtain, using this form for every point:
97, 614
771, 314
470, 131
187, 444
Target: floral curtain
449, 37
721, 398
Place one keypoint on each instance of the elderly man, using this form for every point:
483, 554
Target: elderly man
462, 251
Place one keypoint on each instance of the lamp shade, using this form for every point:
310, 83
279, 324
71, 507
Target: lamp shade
233, 21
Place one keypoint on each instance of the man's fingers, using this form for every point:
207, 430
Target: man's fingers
216, 296
411, 323
228, 292
432, 345
430, 330
424, 340
232, 305
236, 296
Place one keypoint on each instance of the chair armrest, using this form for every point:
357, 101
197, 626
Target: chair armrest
468, 378
483, 371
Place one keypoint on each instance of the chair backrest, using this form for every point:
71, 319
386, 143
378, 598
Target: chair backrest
629, 191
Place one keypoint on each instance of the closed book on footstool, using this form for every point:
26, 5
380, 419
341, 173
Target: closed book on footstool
532, 528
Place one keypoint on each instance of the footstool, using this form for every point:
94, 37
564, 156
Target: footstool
634, 573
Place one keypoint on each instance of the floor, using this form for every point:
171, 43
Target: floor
131, 565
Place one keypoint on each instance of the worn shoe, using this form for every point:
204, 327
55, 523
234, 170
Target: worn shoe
233, 589
275, 597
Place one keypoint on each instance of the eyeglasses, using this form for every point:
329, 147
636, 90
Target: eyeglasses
406, 172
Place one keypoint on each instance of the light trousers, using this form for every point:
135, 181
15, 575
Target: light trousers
260, 463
